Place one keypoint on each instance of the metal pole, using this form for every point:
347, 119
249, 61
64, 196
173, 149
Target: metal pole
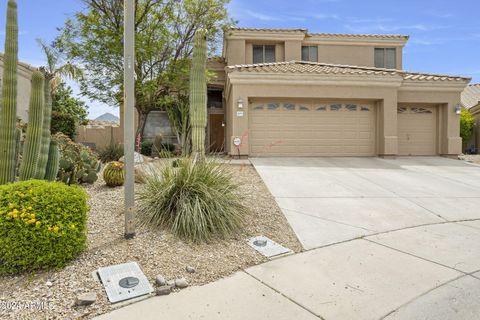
129, 116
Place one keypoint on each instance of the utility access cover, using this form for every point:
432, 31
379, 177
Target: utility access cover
124, 281
267, 247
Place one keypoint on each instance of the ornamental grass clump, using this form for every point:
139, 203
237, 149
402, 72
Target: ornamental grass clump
196, 200
43, 225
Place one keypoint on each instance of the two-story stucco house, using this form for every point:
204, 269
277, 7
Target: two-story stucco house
289, 92
24, 79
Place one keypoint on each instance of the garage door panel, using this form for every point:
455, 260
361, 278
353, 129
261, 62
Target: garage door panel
417, 130
347, 131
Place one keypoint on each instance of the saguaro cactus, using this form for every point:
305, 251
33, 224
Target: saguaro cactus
31, 148
198, 94
45, 143
53, 163
18, 145
8, 107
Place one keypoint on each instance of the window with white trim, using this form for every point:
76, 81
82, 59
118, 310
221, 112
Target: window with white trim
263, 53
310, 53
386, 58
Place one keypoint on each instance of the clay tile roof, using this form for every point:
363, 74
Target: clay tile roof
353, 35
324, 68
270, 29
471, 96
325, 35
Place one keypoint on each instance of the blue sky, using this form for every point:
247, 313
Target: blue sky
444, 34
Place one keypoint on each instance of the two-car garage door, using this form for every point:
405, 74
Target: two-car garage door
312, 129
335, 129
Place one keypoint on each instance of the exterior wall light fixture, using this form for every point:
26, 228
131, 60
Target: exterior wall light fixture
458, 109
240, 103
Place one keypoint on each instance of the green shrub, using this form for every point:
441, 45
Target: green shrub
467, 122
112, 152
78, 164
146, 148
194, 200
64, 123
42, 225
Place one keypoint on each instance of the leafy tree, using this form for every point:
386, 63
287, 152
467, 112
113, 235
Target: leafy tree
467, 122
164, 34
65, 102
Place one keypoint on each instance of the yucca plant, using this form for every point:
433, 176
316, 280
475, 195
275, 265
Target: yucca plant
195, 201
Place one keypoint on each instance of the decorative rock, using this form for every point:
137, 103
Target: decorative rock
137, 158
164, 290
190, 269
160, 280
49, 284
171, 283
181, 283
86, 299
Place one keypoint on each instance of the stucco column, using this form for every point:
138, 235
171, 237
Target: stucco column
293, 50
235, 52
238, 121
450, 141
387, 125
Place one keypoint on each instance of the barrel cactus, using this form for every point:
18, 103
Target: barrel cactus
33, 140
8, 107
114, 174
198, 94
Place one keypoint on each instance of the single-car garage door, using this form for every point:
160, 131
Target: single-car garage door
417, 130
311, 129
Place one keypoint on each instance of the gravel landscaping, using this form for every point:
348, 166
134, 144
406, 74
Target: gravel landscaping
157, 253
473, 158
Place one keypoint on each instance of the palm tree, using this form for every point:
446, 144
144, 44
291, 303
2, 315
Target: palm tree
56, 69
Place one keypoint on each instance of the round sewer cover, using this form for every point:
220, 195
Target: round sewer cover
129, 282
260, 243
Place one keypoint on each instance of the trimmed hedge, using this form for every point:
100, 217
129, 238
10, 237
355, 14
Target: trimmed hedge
42, 225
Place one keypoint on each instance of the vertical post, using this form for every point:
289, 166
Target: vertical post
129, 116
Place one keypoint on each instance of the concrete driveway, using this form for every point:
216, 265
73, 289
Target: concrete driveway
385, 239
330, 200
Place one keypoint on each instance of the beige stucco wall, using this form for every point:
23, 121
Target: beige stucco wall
385, 92
356, 51
101, 136
23, 87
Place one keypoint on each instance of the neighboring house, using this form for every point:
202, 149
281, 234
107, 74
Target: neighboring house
25, 72
471, 101
289, 92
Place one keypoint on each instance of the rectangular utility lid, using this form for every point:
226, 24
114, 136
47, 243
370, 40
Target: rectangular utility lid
124, 281
267, 247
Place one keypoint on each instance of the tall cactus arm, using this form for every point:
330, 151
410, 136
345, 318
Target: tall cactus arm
8, 109
53, 163
45, 144
31, 148
198, 94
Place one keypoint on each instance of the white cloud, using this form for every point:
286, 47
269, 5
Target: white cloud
261, 16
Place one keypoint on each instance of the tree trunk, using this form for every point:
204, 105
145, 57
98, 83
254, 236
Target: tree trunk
142, 121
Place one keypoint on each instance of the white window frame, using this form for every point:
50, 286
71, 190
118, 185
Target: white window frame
263, 52
309, 58
384, 65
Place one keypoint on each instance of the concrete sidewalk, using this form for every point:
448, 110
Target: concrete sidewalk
385, 239
372, 278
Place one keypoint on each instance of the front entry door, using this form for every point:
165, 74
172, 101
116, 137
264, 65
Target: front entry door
217, 133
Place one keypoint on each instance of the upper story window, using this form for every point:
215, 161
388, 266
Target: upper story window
385, 58
263, 53
310, 53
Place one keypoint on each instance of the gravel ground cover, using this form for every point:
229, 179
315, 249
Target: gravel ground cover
473, 158
52, 294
